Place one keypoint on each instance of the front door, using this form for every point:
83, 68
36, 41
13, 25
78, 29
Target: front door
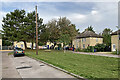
114, 47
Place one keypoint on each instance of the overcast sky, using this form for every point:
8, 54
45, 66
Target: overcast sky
98, 14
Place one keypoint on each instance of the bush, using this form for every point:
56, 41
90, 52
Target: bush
90, 48
99, 47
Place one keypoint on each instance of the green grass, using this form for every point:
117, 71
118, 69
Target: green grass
87, 66
10, 53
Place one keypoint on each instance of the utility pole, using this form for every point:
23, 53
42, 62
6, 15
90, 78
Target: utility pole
36, 34
118, 42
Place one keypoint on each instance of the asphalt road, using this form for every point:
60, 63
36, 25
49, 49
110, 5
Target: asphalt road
25, 67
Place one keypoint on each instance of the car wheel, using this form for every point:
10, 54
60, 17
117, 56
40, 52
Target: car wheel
14, 55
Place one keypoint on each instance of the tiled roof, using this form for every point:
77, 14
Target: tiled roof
116, 32
88, 34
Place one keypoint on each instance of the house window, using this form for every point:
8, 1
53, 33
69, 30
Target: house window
114, 47
83, 39
83, 45
96, 39
21, 45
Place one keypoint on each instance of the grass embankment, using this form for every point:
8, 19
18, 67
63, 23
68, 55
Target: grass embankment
87, 66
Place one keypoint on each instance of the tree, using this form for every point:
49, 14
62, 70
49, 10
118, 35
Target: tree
30, 23
19, 27
53, 29
90, 28
13, 26
68, 31
60, 30
107, 36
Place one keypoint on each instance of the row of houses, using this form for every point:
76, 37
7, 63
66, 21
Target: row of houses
89, 38
83, 40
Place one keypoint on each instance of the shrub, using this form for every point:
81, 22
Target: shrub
99, 47
90, 48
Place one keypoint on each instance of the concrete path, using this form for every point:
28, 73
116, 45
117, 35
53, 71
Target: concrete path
8, 67
25, 67
99, 54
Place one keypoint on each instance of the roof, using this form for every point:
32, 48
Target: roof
88, 34
116, 32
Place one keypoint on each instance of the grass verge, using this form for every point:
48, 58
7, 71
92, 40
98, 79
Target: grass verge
87, 66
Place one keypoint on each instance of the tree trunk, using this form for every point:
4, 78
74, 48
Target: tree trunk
32, 45
25, 44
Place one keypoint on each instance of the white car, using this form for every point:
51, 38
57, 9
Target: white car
44, 47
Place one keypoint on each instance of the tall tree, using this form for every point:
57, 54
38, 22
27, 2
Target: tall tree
54, 32
13, 26
31, 26
67, 30
19, 27
106, 36
60, 30
90, 28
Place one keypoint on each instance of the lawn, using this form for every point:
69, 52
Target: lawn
87, 66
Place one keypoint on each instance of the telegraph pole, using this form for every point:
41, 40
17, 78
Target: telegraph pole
36, 34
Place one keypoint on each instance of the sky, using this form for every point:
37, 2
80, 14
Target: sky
100, 15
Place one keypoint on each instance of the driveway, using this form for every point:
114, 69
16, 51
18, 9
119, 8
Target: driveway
25, 67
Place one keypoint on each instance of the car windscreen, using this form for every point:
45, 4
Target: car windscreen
19, 49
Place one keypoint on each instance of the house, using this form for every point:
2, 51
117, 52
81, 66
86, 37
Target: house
115, 38
21, 45
87, 38
49, 44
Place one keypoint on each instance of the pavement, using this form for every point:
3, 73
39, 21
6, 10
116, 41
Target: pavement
99, 54
25, 67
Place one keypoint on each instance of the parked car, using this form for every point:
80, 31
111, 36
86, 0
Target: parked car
18, 51
44, 47
71, 48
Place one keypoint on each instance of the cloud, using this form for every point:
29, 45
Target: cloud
99, 14
60, 0
2, 14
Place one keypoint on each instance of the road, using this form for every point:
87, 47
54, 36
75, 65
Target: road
25, 67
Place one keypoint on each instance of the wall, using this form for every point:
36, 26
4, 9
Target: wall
90, 41
93, 41
114, 40
21, 45
76, 43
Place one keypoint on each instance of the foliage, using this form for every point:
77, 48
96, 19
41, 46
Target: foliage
17, 26
90, 28
107, 36
61, 30
30, 23
99, 47
90, 48
87, 66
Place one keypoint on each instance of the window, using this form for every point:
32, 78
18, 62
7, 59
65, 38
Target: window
21, 45
83, 45
96, 39
83, 39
